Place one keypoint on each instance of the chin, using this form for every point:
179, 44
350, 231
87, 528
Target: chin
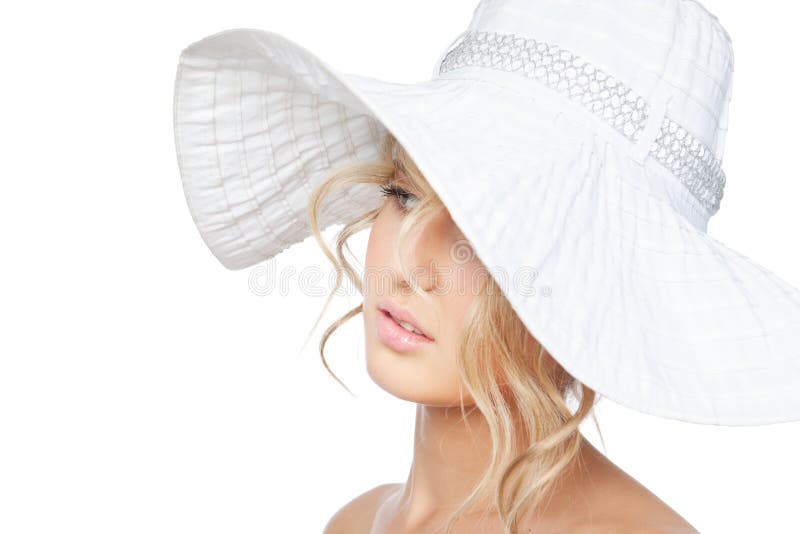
410, 379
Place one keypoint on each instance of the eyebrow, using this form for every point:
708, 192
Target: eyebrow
406, 184
399, 175
402, 177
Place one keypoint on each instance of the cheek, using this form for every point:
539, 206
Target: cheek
456, 302
380, 249
457, 287
379, 236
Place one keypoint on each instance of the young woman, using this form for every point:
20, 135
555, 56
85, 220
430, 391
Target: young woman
537, 215
493, 426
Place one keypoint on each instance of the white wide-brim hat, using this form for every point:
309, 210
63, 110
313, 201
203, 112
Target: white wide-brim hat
578, 141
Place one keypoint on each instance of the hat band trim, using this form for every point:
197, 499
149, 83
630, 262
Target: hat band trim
681, 153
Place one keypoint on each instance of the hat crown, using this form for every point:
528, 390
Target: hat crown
671, 58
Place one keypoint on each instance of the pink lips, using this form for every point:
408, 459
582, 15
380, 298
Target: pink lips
394, 335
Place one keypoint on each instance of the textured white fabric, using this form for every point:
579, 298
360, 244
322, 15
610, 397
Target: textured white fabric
645, 307
600, 93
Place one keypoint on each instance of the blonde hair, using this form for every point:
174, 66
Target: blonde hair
516, 384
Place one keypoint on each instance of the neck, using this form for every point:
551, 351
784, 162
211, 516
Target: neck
451, 453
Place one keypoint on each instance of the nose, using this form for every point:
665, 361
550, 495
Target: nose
423, 277
426, 254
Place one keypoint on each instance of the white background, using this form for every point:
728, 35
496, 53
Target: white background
145, 388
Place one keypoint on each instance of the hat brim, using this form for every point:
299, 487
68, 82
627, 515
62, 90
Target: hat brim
631, 295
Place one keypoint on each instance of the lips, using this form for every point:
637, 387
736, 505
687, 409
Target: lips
401, 314
397, 338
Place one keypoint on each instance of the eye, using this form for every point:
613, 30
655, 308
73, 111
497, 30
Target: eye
402, 197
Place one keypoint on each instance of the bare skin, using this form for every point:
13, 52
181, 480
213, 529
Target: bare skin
597, 497
450, 455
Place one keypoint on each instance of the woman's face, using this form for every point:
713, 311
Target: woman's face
418, 370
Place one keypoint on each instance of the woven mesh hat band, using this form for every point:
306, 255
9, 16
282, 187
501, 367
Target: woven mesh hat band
684, 155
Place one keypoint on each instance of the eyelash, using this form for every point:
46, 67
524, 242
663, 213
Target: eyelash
398, 193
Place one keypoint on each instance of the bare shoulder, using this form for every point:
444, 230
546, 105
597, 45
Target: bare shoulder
357, 514
648, 514
630, 508
627, 526
627, 507
633, 513
612, 501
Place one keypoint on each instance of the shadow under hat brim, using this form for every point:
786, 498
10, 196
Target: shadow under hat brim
629, 294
